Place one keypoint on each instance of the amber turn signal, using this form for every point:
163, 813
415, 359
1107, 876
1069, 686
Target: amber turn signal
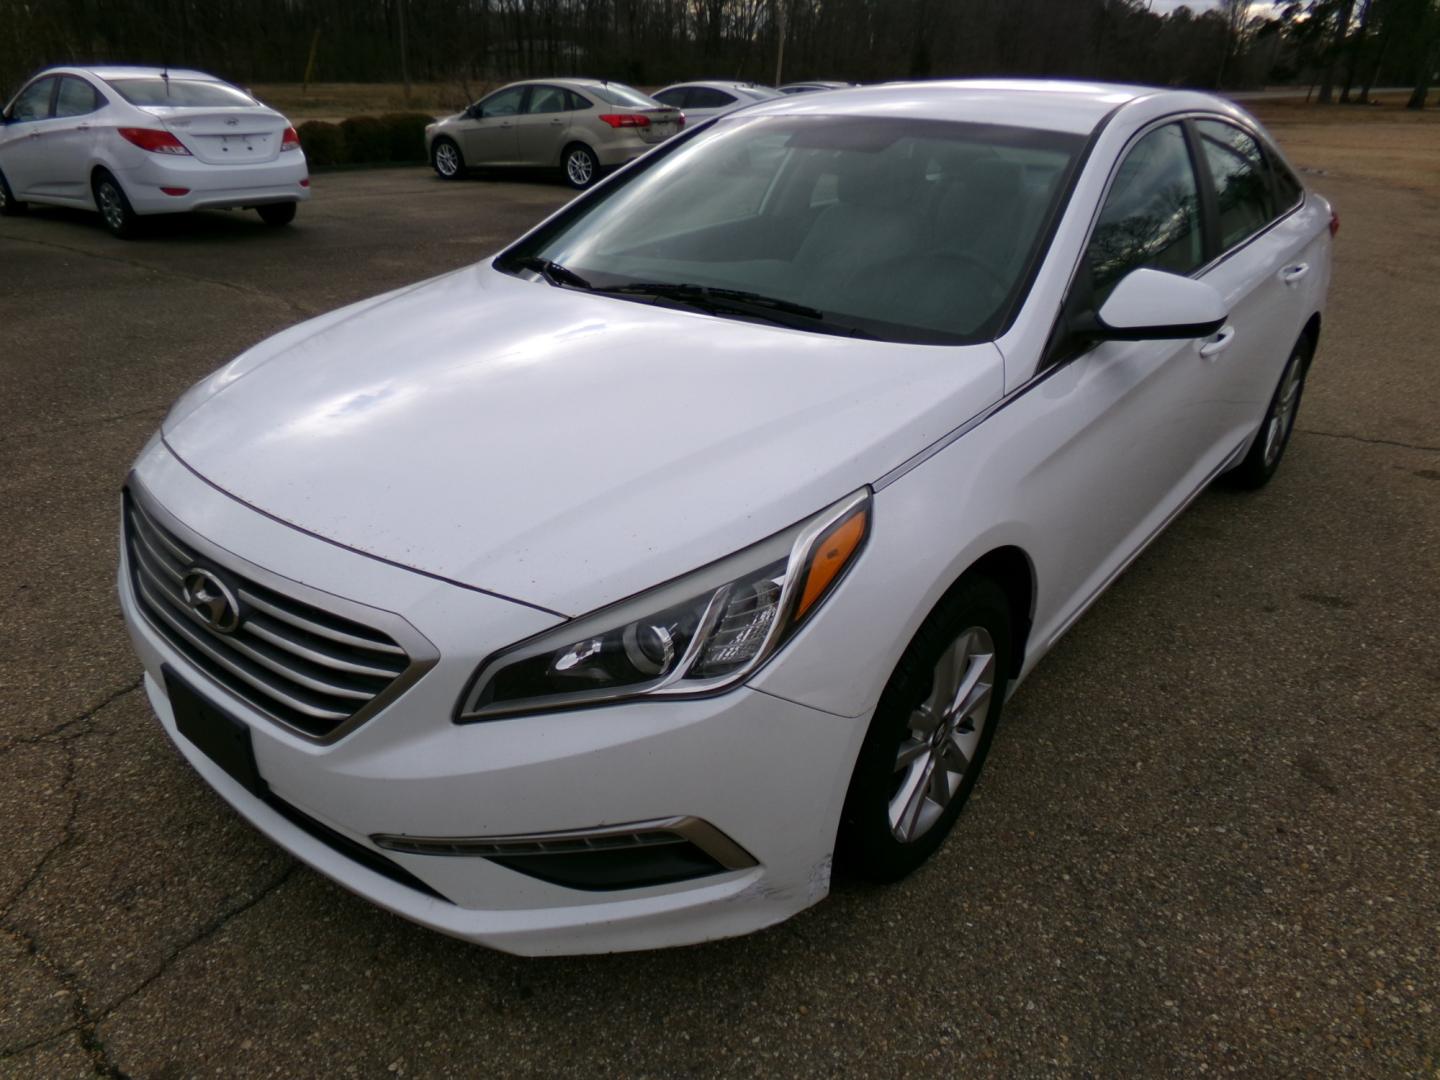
830, 555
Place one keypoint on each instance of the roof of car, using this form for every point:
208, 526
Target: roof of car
1055, 105
130, 71
719, 84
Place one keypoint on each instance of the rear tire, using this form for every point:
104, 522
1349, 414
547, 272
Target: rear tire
447, 160
114, 207
1268, 449
580, 165
9, 205
929, 737
277, 214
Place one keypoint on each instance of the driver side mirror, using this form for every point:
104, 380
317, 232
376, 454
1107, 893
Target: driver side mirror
1151, 305
474, 112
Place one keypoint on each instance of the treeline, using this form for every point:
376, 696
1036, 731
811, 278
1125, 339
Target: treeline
648, 42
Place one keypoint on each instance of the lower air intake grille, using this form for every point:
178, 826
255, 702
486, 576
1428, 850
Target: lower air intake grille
308, 668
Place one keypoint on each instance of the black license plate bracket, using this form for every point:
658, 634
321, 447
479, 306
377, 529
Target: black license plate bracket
215, 733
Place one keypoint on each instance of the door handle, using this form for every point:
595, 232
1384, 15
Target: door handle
1292, 274
557, 121
34, 134
1219, 343
82, 127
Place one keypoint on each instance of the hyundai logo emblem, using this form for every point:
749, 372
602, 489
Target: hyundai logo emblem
211, 599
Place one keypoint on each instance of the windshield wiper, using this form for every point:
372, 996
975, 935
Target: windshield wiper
710, 297
553, 272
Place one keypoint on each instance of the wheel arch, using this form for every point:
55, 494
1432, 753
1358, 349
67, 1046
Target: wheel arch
574, 138
1012, 569
1311, 336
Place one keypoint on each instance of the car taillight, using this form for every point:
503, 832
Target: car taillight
290, 140
619, 120
154, 140
679, 121
1334, 223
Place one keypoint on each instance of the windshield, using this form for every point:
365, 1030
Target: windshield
904, 230
179, 93
627, 96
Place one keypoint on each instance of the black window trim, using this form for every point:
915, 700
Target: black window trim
1055, 354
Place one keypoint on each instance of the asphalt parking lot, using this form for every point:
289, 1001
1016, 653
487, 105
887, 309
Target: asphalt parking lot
1208, 838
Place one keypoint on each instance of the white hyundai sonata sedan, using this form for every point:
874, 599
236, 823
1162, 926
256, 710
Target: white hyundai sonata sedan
604, 594
135, 141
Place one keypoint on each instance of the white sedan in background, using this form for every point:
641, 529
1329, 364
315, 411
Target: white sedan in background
598, 595
700, 100
133, 141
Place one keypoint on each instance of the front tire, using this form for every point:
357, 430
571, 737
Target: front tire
447, 160
929, 737
581, 166
114, 207
9, 206
277, 214
1268, 449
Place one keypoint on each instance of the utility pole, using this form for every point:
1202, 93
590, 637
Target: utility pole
780, 40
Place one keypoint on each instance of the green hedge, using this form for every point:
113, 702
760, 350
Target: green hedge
365, 140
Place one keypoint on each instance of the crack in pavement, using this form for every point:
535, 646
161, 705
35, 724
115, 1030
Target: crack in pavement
294, 305
87, 1021
88, 714
1375, 442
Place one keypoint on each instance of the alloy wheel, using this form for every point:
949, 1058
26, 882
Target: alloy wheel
943, 736
579, 168
447, 159
112, 209
1282, 417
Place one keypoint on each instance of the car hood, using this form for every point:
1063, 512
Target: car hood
561, 449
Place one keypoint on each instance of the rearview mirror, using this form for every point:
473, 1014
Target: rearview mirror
1151, 305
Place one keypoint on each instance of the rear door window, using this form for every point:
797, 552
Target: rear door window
1288, 189
33, 103
675, 98
1151, 216
546, 99
76, 98
1242, 189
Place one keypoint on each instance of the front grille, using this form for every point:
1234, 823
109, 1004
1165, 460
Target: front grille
306, 667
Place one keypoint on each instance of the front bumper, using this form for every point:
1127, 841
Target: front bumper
767, 773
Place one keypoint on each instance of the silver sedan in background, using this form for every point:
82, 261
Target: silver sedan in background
581, 125
703, 99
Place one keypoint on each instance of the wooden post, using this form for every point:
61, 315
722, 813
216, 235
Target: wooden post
310, 64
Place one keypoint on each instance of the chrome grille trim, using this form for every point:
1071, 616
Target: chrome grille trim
315, 663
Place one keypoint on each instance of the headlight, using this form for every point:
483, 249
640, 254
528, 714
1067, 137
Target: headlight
700, 634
